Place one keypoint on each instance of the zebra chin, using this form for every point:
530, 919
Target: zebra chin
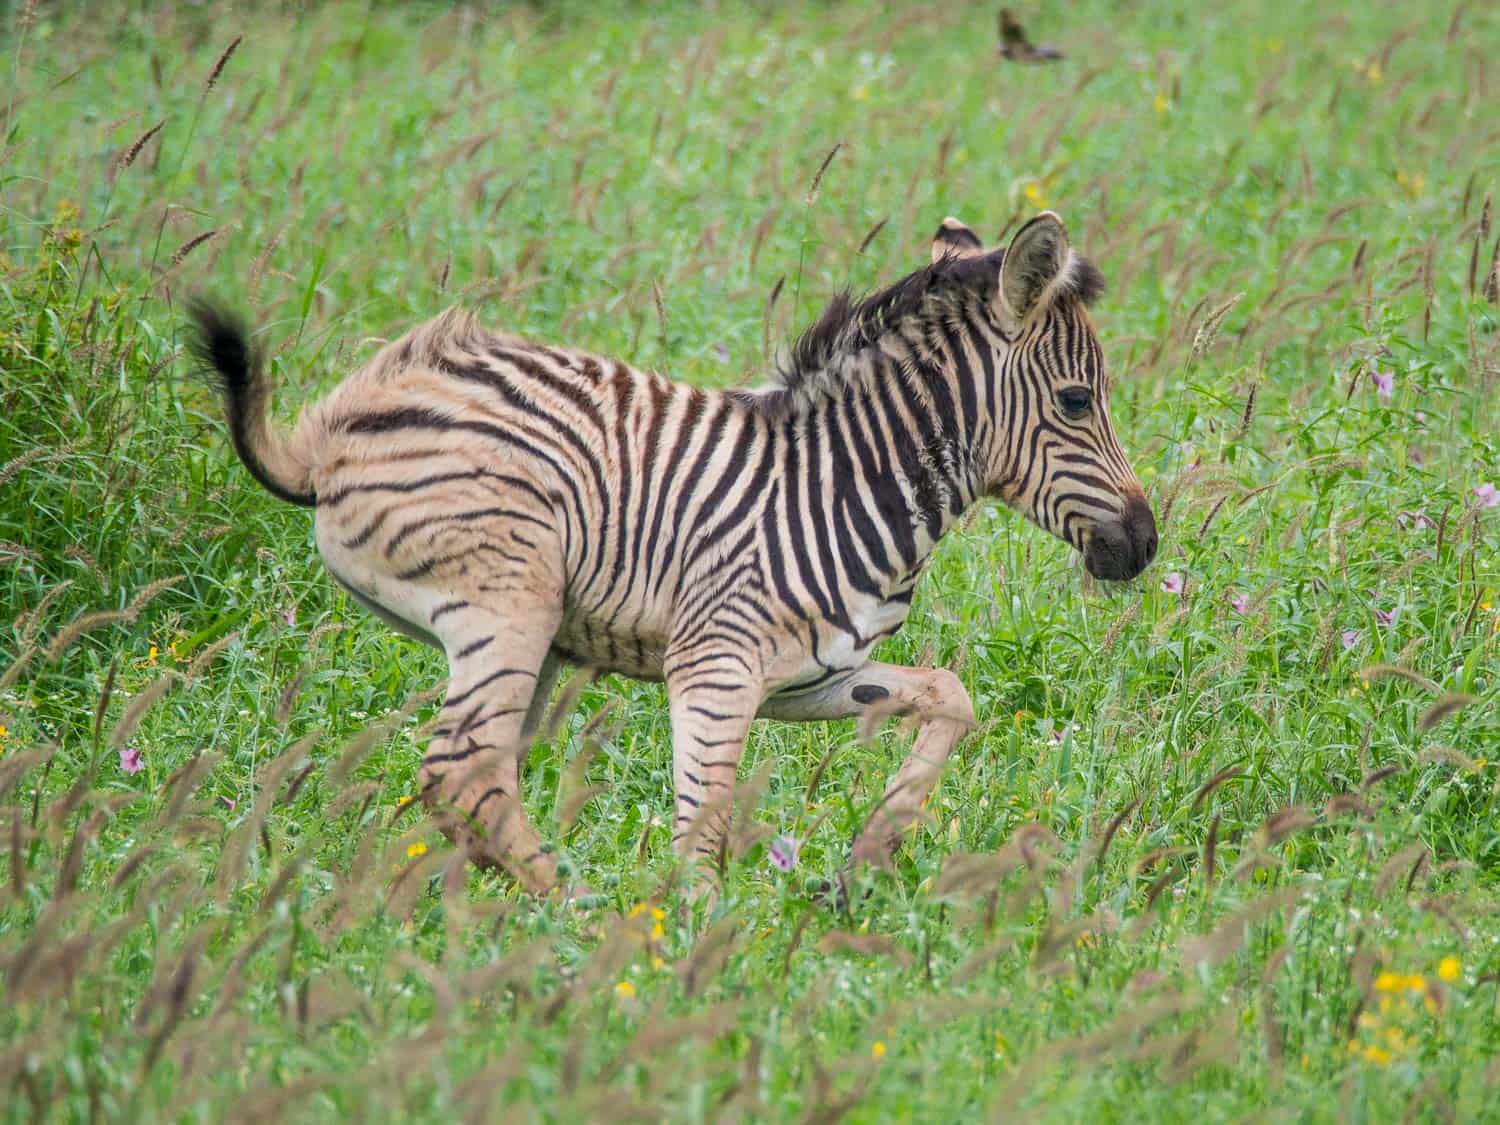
1120, 549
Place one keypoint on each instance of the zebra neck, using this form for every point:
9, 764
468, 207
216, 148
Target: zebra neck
889, 455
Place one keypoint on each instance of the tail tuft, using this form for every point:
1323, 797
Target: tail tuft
223, 346
233, 365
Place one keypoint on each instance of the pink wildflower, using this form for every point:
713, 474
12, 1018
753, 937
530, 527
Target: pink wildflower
1240, 603
1172, 583
1385, 383
1487, 495
1350, 637
130, 760
783, 852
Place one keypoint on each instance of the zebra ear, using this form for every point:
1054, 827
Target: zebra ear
955, 240
1036, 258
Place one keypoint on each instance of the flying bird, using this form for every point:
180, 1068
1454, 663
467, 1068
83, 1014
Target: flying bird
1015, 46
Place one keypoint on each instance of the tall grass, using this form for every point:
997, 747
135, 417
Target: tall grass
1224, 845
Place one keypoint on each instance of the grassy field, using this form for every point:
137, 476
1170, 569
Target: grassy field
1226, 843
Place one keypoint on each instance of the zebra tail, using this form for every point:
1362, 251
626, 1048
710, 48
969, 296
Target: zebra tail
235, 368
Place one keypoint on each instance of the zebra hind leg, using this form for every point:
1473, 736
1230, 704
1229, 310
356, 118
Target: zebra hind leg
471, 775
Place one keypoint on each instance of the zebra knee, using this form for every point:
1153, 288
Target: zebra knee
947, 698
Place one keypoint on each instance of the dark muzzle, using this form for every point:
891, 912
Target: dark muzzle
1120, 549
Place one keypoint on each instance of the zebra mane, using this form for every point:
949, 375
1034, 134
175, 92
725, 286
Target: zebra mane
848, 326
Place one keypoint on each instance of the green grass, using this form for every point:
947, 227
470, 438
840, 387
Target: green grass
240, 939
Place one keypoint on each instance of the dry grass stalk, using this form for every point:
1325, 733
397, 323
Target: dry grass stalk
1394, 671
1449, 755
1449, 704
90, 621
137, 708
1208, 331
207, 656
817, 180
864, 243
356, 748
1229, 773
1229, 936
190, 245
128, 155
221, 62
1408, 859
567, 703
288, 697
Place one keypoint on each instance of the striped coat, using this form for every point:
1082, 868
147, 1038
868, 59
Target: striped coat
521, 505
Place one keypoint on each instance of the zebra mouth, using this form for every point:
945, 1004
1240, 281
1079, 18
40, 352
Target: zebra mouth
1118, 550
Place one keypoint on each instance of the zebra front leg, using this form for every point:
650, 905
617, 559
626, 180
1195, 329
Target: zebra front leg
941, 706
471, 776
713, 702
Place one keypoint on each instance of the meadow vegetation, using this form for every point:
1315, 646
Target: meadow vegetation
1226, 841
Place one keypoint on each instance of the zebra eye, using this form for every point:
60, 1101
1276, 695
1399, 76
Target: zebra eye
1075, 401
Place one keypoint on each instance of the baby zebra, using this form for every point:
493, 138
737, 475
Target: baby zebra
520, 506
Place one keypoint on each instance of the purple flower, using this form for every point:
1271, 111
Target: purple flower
1172, 583
1487, 495
1385, 383
783, 852
1350, 637
228, 802
1421, 418
721, 353
290, 617
1240, 603
1385, 616
130, 760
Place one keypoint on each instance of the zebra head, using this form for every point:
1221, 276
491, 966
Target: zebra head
1053, 454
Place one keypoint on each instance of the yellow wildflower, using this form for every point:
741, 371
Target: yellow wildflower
1449, 969
877, 1050
404, 801
151, 656
860, 92
1413, 183
1388, 982
657, 932
637, 910
415, 850
658, 913
1035, 195
625, 990
658, 963
1377, 1054
1161, 103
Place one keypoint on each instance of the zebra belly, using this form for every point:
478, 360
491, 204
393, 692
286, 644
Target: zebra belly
831, 649
636, 652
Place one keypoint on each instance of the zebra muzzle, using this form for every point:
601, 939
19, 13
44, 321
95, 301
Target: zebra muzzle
1122, 548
